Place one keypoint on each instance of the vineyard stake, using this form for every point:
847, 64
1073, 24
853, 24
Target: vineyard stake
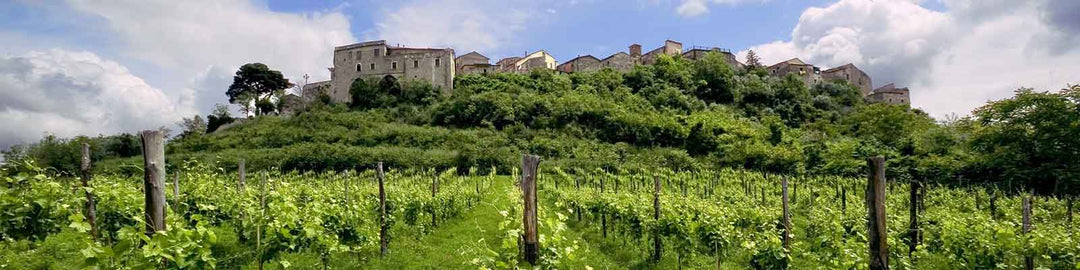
434, 191
153, 148
91, 206
657, 246
382, 211
1069, 210
875, 203
843, 200
529, 164
787, 215
913, 212
993, 205
1029, 262
241, 181
262, 213
176, 191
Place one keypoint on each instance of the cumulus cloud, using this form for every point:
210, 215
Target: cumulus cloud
694, 8
76, 93
202, 41
465, 25
953, 61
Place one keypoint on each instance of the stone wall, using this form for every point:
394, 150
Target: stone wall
580, 64
852, 75
619, 61
376, 60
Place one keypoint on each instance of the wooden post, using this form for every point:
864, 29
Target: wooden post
795, 192
241, 181
382, 211
993, 205
434, 191
913, 212
762, 195
176, 192
91, 206
657, 246
1069, 210
262, 213
787, 215
153, 150
843, 200
1029, 262
875, 203
529, 164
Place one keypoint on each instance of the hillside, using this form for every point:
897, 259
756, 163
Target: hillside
680, 114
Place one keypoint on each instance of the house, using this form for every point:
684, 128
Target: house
850, 74
580, 64
670, 47
891, 95
376, 59
810, 74
620, 61
697, 53
537, 60
474, 63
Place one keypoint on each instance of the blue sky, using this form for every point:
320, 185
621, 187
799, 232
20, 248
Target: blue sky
87, 67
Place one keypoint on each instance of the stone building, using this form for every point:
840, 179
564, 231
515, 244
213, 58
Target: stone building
583, 63
620, 61
891, 95
291, 103
852, 75
474, 63
697, 53
810, 74
376, 59
311, 91
670, 47
532, 61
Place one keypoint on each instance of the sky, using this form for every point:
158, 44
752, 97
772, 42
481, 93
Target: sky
84, 67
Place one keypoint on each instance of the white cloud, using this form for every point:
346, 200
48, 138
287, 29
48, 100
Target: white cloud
694, 8
76, 93
953, 61
463, 25
203, 41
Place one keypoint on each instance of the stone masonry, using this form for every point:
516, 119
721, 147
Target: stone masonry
376, 59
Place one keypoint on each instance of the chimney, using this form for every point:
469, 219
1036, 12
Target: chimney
635, 50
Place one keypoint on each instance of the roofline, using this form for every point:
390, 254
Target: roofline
672, 41
361, 44
583, 56
613, 55
842, 67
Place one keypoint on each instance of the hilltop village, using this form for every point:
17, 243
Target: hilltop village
438, 66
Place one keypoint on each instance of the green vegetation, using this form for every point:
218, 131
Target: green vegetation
710, 131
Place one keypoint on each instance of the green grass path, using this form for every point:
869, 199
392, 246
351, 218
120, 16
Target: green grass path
442, 249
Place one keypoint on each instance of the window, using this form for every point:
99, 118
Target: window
372, 66
377, 52
436, 62
358, 55
357, 66
393, 65
415, 63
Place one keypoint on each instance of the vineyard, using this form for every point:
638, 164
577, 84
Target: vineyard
583, 218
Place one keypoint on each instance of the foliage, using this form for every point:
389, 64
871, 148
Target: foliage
254, 85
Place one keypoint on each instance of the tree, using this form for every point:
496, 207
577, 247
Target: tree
194, 126
1033, 138
752, 59
718, 78
220, 116
254, 85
